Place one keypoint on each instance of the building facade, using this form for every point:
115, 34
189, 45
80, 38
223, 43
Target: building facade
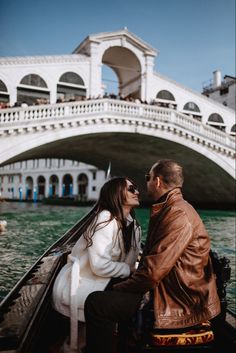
41, 178
223, 91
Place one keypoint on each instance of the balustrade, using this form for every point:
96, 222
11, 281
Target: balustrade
16, 118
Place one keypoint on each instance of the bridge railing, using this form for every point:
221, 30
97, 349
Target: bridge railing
15, 117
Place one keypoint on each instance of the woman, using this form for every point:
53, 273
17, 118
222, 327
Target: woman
107, 249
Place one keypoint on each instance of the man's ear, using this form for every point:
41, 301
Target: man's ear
158, 182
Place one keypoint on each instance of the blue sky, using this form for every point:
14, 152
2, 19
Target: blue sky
194, 37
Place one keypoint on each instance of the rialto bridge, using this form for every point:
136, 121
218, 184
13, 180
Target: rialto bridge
154, 117
133, 136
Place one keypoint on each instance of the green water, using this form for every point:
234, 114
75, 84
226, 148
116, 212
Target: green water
32, 228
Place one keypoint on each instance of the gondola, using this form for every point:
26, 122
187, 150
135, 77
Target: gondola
28, 323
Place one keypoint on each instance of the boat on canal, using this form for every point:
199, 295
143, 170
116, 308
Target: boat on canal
29, 324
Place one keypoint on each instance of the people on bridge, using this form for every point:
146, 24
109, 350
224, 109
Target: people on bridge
175, 267
107, 249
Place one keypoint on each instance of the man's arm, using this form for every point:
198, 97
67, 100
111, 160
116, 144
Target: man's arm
172, 237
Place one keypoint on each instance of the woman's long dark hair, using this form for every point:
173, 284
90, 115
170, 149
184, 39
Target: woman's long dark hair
111, 198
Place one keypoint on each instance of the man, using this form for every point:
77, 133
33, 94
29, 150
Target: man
175, 264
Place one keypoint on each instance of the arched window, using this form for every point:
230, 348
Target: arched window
71, 77
53, 186
82, 186
41, 187
29, 188
3, 87
166, 95
33, 90
233, 130
165, 99
192, 110
4, 95
67, 184
70, 87
216, 118
192, 107
33, 80
216, 121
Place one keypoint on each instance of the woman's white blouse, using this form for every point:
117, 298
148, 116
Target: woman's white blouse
90, 269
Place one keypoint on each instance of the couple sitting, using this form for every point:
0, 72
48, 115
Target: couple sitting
175, 263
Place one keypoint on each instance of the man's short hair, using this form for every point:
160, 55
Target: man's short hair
170, 171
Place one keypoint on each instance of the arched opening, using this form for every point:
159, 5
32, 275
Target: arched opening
110, 83
216, 121
233, 130
70, 88
192, 110
124, 75
29, 184
165, 99
82, 187
32, 90
41, 187
4, 95
67, 185
53, 186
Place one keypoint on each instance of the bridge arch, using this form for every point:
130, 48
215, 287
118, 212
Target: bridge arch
101, 126
127, 68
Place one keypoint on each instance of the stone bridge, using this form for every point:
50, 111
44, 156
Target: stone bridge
132, 136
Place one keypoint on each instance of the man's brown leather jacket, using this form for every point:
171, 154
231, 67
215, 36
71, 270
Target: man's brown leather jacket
176, 265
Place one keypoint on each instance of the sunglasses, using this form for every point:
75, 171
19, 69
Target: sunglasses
132, 189
147, 177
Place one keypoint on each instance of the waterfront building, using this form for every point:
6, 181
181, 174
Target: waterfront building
41, 178
223, 91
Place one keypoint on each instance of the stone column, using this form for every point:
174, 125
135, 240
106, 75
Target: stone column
146, 80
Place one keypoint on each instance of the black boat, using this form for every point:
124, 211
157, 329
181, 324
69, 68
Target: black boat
28, 323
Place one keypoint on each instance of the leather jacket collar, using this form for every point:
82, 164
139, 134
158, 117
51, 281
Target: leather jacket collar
166, 198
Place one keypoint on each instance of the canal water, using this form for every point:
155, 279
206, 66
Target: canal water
32, 228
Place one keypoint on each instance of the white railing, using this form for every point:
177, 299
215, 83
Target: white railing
18, 117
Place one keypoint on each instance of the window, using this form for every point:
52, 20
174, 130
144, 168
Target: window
216, 121
33, 80
233, 130
224, 91
165, 95
216, 118
4, 96
94, 175
33, 90
192, 107
70, 87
